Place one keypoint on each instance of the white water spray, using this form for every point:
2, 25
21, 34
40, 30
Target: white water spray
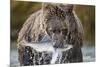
48, 47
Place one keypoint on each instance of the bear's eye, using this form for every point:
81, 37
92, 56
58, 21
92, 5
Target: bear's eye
56, 31
64, 31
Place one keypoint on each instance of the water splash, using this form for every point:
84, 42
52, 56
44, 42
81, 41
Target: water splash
46, 47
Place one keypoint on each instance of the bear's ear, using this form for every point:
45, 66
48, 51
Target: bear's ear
66, 7
46, 5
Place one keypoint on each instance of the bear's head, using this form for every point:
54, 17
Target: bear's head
57, 22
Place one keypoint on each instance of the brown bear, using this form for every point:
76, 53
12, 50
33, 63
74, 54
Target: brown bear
60, 23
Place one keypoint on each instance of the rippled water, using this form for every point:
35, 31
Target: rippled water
88, 53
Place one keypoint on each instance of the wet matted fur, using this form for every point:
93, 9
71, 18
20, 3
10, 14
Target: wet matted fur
60, 23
